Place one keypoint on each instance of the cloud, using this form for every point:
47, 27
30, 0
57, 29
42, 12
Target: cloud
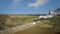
38, 3
12, 7
15, 3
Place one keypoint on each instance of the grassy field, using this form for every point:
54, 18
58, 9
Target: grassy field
45, 24
19, 20
12, 21
41, 28
44, 27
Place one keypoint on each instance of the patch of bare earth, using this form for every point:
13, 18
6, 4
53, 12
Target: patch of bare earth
36, 30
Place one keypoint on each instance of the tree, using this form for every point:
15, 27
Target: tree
55, 21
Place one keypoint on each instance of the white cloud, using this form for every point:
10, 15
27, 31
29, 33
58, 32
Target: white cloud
38, 3
15, 3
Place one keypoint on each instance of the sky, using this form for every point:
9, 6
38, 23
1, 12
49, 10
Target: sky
28, 6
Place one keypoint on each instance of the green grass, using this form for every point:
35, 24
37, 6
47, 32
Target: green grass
56, 20
44, 27
45, 24
41, 28
17, 21
14, 21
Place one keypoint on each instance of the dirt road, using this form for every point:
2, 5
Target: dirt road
19, 28
36, 30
